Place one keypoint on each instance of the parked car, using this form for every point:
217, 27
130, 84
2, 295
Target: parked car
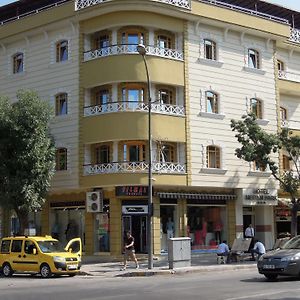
282, 261
39, 254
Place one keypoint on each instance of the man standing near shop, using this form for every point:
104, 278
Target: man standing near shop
249, 233
129, 250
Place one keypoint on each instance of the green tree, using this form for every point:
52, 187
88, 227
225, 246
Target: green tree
27, 154
261, 147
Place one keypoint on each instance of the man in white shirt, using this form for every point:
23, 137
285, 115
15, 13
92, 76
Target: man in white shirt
249, 233
223, 250
259, 249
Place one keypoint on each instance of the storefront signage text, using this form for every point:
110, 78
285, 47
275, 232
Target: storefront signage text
132, 191
261, 197
135, 210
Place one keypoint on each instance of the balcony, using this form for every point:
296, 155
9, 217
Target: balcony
289, 76
166, 109
134, 167
81, 4
291, 124
132, 49
295, 35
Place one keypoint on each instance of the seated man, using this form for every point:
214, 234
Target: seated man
259, 249
223, 250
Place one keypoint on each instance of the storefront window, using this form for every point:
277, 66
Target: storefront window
168, 225
207, 226
102, 231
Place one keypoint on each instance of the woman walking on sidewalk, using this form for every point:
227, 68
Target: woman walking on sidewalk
129, 250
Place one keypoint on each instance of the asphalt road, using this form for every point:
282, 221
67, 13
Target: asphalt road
231, 285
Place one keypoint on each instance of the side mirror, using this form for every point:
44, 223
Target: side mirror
34, 252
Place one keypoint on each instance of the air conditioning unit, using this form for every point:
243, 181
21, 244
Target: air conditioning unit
94, 202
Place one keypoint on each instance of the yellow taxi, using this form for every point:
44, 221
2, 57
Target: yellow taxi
39, 254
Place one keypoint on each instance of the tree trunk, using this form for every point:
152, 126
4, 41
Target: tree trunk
23, 219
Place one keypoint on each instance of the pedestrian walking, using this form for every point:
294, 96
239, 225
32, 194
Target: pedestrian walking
129, 250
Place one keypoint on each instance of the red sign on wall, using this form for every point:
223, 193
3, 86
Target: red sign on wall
129, 190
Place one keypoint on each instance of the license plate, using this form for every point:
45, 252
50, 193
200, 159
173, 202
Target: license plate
72, 267
269, 267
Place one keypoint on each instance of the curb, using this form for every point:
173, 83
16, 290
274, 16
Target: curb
181, 271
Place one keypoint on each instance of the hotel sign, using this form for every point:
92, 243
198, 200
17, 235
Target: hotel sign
260, 197
135, 209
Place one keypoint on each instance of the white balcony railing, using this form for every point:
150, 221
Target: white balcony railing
132, 49
81, 4
288, 76
166, 109
295, 35
291, 124
134, 167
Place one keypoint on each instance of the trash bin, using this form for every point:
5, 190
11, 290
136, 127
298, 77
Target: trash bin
179, 252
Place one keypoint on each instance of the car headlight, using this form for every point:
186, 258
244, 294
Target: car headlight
290, 258
59, 259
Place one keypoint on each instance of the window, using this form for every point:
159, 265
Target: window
258, 167
213, 157
61, 104
253, 59
102, 154
211, 102
285, 163
62, 51
166, 96
134, 152
101, 40
210, 50
132, 94
16, 246
102, 96
18, 63
283, 114
61, 159
280, 65
164, 41
256, 108
29, 246
5, 245
132, 38
166, 153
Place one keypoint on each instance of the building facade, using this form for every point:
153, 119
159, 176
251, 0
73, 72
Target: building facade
209, 62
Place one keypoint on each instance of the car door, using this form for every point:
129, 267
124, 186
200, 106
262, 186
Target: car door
15, 257
30, 257
75, 246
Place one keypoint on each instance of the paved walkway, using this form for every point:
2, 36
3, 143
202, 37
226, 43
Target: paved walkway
99, 266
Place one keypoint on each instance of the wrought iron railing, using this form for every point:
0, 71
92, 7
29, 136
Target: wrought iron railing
134, 167
295, 35
81, 4
132, 49
159, 108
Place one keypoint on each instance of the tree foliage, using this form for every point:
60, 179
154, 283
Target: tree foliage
259, 146
27, 154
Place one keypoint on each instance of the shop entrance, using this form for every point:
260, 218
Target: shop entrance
137, 225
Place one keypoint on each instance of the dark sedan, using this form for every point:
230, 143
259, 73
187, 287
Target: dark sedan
282, 261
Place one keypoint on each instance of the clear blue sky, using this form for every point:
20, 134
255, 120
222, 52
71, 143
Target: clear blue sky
294, 4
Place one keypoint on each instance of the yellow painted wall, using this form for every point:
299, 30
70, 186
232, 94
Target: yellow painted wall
156, 226
130, 68
132, 126
289, 87
115, 227
231, 221
89, 234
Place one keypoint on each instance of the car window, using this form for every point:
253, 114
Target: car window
51, 246
16, 246
5, 245
29, 246
293, 243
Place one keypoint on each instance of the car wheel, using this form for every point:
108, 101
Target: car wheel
45, 271
271, 276
7, 270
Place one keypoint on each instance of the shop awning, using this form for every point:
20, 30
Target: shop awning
197, 196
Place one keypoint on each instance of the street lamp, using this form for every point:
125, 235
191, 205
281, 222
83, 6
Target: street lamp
142, 51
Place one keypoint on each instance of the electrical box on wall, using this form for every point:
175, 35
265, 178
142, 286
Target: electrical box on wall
94, 202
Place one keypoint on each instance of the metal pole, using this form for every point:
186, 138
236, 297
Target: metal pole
150, 200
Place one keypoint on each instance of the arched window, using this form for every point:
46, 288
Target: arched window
101, 95
61, 104
258, 167
210, 50
164, 40
280, 65
283, 114
101, 40
213, 157
212, 105
166, 95
132, 37
256, 107
253, 59
18, 63
134, 152
61, 159
286, 163
62, 51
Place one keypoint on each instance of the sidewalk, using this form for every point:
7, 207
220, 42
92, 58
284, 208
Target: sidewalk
204, 262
